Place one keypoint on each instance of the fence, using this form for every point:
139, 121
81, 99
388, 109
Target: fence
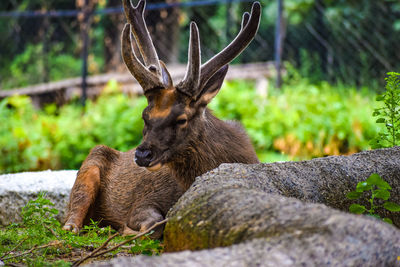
352, 42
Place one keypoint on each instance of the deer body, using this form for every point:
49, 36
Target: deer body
181, 138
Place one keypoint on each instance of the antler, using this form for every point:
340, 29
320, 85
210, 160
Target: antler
190, 82
249, 27
150, 74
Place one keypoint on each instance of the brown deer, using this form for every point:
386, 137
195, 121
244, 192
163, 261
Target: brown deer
181, 138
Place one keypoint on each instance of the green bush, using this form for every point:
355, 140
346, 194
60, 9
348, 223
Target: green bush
302, 120
299, 122
30, 67
24, 142
51, 138
113, 120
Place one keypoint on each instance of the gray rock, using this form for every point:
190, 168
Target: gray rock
322, 180
288, 250
236, 203
302, 232
17, 189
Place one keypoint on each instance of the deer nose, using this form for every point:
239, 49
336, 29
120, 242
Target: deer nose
143, 157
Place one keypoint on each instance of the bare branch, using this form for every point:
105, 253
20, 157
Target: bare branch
94, 255
35, 247
78, 262
12, 250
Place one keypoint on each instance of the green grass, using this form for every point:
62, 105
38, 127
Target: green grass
40, 236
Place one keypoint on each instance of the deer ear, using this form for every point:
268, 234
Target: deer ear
212, 87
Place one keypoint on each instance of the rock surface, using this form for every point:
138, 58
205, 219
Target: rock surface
287, 251
322, 180
302, 232
280, 231
236, 203
17, 189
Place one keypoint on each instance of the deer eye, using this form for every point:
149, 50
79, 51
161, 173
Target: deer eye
181, 121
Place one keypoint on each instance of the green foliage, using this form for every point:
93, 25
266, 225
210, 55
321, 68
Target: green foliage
113, 120
24, 141
375, 188
389, 113
31, 66
151, 247
49, 245
61, 138
39, 216
300, 121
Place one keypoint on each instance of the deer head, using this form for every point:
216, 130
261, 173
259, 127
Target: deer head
175, 113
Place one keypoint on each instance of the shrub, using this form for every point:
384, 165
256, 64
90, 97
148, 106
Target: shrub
300, 122
389, 113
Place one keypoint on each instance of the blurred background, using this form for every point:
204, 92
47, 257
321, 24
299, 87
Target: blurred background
304, 88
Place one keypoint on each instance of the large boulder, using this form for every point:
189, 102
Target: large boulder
290, 230
333, 243
276, 202
17, 189
322, 180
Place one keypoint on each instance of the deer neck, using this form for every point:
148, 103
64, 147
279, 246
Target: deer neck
212, 143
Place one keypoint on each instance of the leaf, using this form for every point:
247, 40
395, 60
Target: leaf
379, 98
382, 194
391, 206
381, 120
376, 179
387, 220
357, 209
376, 113
363, 186
354, 195
54, 211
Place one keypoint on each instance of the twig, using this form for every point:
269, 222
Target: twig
78, 262
133, 238
52, 243
93, 253
51, 230
15, 264
12, 250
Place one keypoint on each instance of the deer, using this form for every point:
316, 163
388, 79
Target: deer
182, 139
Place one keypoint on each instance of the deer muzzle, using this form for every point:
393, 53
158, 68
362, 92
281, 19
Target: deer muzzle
144, 157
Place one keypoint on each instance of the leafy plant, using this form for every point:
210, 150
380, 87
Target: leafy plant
301, 121
374, 187
389, 113
40, 241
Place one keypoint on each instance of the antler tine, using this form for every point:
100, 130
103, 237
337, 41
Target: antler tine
146, 78
190, 82
135, 17
245, 19
248, 31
